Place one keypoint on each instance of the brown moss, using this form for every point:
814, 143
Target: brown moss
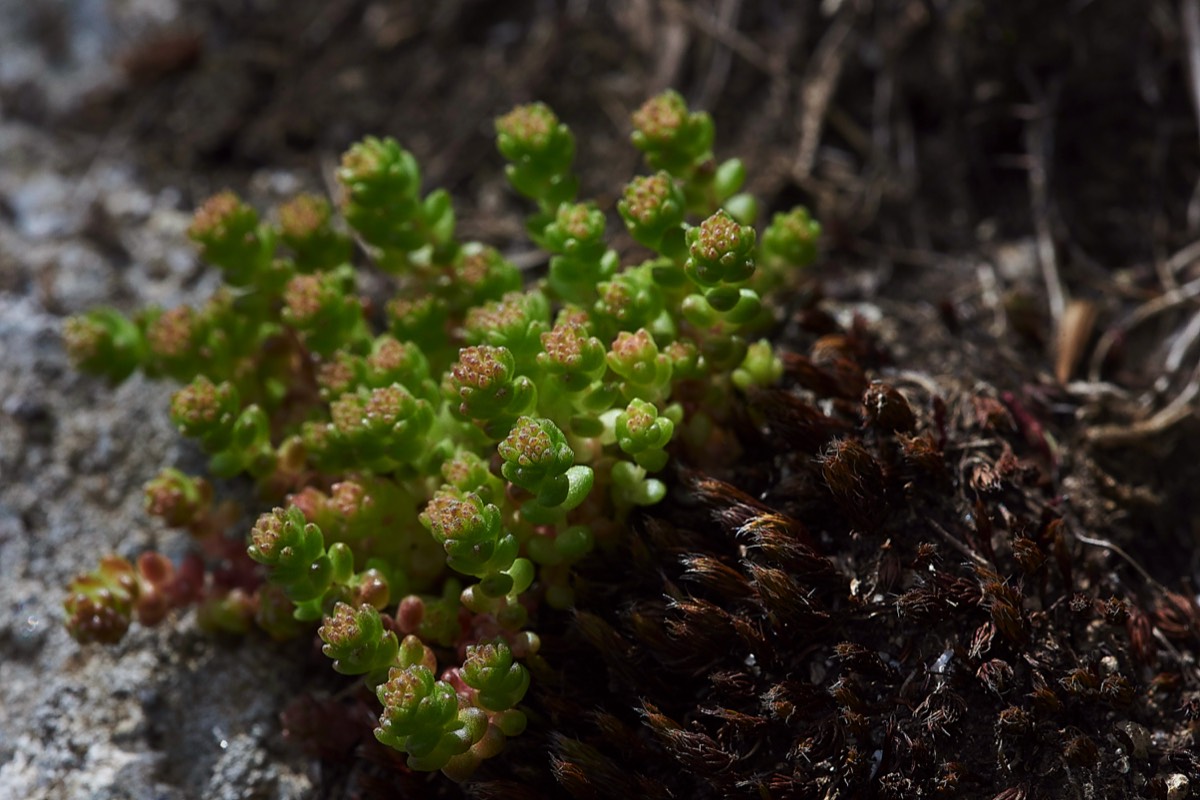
865, 615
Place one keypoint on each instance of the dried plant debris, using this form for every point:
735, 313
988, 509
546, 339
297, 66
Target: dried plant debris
904, 605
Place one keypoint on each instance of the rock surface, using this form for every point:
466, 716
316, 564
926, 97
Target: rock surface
171, 712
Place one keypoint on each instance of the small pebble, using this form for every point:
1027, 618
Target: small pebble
1139, 736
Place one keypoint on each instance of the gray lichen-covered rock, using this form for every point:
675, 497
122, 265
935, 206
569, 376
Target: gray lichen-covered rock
171, 712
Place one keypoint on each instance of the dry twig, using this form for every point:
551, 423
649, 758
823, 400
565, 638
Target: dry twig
719, 31
1179, 409
818, 89
1038, 138
1164, 302
1189, 20
957, 544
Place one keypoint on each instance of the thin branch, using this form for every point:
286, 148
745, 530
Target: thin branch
1172, 414
1182, 344
825, 69
1037, 143
958, 544
1189, 20
1116, 549
1183, 258
1151, 308
736, 41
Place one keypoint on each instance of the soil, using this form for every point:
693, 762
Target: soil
1008, 191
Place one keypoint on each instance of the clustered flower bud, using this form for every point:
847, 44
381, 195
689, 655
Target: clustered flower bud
490, 670
791, 238
672, 137
306, 227
572, 356
720, 251
581, 257
635, 357
385, 427
540, 150
652, 205
294, 550
629, 301
470, 531
643, 433
536, 457
485, 383
178, 499
515, 322
381, 185
422, 717
206, 411
230, 237
105, 342
99, 605
356, 640
322, 307
480, 274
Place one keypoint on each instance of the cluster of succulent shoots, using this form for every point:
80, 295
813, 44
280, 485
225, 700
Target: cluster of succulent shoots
441, 461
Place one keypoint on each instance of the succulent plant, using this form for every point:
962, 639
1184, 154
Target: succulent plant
434, 484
